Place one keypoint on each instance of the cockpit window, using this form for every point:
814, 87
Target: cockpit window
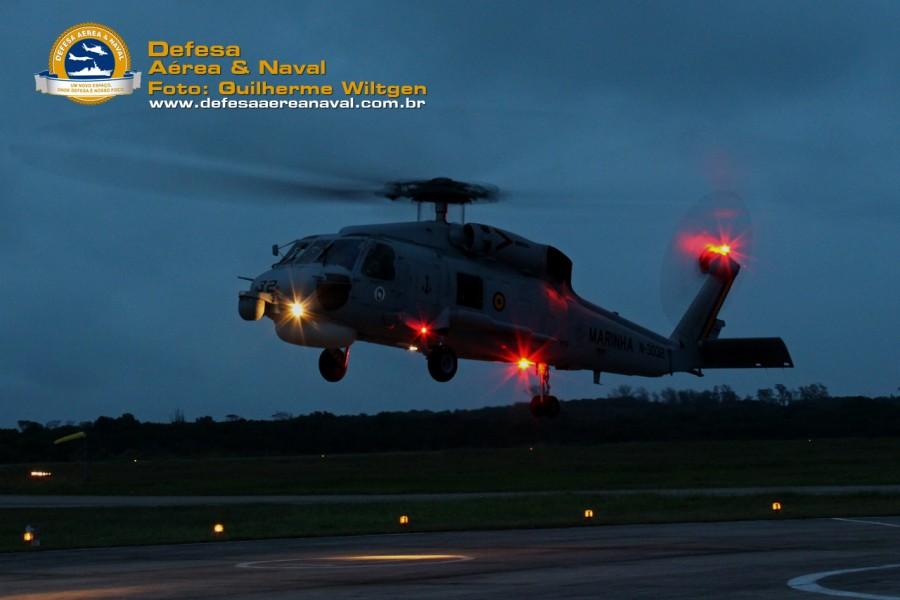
304, 251
296, 249
379, 263
342, 253
311, 253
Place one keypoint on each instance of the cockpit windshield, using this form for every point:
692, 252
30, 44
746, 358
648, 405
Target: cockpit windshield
342, 253
304, 251
311, 253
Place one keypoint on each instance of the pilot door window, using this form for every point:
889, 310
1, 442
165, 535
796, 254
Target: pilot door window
469, 291
379, 263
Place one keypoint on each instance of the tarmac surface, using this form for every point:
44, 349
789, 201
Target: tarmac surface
855, 558
79, 501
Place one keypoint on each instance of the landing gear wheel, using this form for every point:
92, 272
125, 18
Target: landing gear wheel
548, 406
333, 364
442, 363
551, 406
537, 407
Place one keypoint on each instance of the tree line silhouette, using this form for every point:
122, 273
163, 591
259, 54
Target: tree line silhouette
625, 415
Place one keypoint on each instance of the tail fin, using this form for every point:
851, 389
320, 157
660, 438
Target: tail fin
699, 327
700, 321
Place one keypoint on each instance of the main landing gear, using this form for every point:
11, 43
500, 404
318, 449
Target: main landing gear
544, 405
442, 363
333, 363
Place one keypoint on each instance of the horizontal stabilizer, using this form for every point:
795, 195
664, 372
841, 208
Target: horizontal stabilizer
744, 353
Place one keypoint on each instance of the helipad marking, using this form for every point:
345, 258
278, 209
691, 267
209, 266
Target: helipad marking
354, 561
882, 523
808, 583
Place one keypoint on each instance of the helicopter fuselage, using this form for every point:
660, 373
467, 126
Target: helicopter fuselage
473, 291
487, 294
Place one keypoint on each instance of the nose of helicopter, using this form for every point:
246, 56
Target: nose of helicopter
293, 292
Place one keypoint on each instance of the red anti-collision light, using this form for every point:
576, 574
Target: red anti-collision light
723, 249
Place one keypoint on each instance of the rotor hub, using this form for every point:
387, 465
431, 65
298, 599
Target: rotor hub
440, 191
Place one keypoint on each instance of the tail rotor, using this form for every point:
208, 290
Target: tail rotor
717, 226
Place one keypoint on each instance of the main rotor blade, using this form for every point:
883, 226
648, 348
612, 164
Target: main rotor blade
281, 156
342, 150
130, 168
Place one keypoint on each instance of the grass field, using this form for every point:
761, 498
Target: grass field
559, 469
83, 527
544, 468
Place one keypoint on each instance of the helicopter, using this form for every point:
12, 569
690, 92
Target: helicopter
452, 291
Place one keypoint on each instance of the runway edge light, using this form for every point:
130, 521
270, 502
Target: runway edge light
218, 529
403, 520
30, 536
776, 506
588, 514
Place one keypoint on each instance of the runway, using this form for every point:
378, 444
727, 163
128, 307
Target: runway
856, 558
88, 501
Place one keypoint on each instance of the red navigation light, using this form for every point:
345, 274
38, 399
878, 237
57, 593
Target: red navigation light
423, 330
524, 364
707, 246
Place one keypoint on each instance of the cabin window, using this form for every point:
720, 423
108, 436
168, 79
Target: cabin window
469, 291
379, 263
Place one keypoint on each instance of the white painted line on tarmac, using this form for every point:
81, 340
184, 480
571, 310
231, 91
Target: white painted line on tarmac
882, 523
355, 561
809, 583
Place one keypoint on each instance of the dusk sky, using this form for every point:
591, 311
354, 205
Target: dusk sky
609, 120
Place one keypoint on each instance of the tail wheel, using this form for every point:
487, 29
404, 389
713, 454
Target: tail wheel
546, 406
333, 364
551, 406
442, 363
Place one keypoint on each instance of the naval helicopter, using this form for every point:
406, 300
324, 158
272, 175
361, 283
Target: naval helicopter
452, 291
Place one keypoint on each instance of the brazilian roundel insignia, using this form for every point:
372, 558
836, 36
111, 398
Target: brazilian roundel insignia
89, 64
499, 301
